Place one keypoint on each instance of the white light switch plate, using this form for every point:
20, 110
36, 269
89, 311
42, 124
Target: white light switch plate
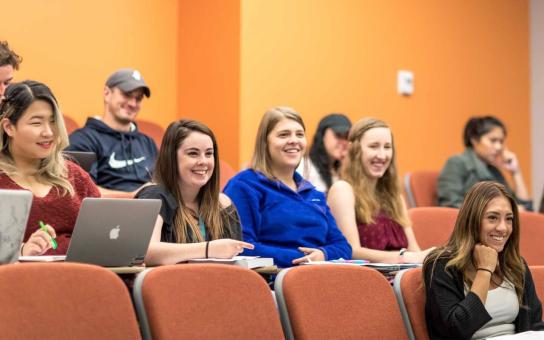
405, 82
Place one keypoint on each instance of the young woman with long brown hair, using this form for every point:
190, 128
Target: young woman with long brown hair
195, 220
477, 285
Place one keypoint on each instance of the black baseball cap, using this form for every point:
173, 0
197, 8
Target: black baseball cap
338, 122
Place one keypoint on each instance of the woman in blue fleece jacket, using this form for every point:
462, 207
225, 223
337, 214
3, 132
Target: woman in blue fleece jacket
282, 214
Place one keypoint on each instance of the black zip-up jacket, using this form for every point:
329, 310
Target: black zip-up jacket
452, 315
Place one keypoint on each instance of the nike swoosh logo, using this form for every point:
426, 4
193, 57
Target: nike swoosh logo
119, 164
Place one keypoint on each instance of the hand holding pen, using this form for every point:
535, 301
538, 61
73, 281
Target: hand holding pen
40, 241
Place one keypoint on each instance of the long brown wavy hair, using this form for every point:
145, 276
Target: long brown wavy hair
369, 199
466, 234
167, 175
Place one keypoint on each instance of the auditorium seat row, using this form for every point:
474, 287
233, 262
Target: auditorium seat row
205, 301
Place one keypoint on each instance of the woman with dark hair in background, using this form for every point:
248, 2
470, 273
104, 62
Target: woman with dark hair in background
328, 149
196, 220
32, 139
478, 285
485, 156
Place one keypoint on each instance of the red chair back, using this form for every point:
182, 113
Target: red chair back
538, 278
153, 130
226, 173
205, 301
70, 124
410, 290
337, 302
532, 234
64, 301
420, 187
432, 225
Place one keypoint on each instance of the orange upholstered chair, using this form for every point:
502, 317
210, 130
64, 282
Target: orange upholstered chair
432, 225
337, 302
64, 301
538, 277
532, 234
410, 291
153, 130
420, 187
226, 173
205, 301
71, 124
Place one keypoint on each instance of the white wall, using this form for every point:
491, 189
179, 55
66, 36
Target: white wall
537, 97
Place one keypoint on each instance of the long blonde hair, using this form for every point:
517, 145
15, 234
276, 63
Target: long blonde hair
18, 97
167, 174
261, 160
369, 199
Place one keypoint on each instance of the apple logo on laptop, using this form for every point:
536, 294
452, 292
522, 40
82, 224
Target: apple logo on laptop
114, 233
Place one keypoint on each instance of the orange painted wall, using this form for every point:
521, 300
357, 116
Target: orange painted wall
226, 62
73, 46
319, 56
209, 69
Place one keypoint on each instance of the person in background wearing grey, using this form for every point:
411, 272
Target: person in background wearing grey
485, 156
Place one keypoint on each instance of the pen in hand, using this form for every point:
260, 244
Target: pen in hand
53, 241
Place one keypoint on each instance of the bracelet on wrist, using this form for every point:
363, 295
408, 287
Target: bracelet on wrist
402, 251
207, 248
486, 270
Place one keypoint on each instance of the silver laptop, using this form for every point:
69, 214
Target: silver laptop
113, 232
14, 209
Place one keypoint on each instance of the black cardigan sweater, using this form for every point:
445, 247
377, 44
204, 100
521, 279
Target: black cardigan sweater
452, 315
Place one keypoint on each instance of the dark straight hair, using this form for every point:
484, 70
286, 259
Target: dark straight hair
476, 127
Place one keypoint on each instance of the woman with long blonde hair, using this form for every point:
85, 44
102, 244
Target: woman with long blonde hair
196, 220
367, 203
32, 139
478, 285
282, 214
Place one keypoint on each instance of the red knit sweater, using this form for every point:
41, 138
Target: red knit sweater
58, 211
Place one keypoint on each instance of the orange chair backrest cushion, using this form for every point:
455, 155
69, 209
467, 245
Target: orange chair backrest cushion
413, 293
155, 131
71, 124
532, 234
538, 278
196, 301
341, 302
226, 173
432, 225
64, 301
423, 185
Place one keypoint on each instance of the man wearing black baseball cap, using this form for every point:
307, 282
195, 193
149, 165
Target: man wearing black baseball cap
125, 156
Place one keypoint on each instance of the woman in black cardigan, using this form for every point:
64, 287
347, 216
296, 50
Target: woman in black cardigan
477, 285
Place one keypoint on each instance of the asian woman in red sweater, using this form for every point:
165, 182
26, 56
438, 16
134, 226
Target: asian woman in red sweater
33, 136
